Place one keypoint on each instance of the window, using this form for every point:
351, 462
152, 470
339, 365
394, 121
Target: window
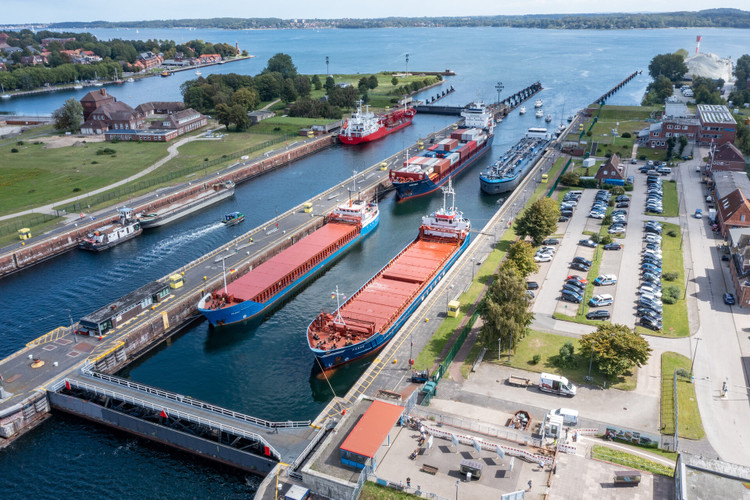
742, 218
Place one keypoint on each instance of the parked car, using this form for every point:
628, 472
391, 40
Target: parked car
651, 277
572, 289
647, 311
605, 279
650, 323
579, 266
604, 299
551, 241
587, 243
613, 246
596, 215
563, 218
622, 204
653, 298
577, 278
729, 299
543, 258
571, 297
649, 290
532, 285
576, 283
644, 302
664, 170
598, 314
582, 260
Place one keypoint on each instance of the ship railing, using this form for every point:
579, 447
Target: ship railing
173, 412
187, 400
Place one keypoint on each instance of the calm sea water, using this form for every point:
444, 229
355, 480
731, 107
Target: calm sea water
266, 371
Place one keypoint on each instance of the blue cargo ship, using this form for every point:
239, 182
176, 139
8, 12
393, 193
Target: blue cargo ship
268, 284
508, 171
432, 168
372, 316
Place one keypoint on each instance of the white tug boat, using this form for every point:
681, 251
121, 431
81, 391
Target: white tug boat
539, 103
113, 234
539, 113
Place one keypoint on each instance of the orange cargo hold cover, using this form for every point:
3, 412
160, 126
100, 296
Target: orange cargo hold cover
278, 266
372, 429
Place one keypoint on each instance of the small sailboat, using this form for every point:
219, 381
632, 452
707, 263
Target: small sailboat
522, 111
198, 72
548, 118
539, 103
118, 80
77, 86
96, 81
4, 95
130, 80
539, 113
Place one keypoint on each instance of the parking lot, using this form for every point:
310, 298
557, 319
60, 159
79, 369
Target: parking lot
624, 264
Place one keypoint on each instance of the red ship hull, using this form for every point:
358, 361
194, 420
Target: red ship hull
388, 123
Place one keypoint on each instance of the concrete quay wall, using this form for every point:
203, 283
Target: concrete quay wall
47, 248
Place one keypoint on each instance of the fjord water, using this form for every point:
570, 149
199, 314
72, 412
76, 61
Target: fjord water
266, 371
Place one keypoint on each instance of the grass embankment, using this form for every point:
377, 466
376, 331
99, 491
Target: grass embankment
690, 426
547, 346
674, 318
600, 452
287, 125
372, 491
385, 94
626, 119
38, 223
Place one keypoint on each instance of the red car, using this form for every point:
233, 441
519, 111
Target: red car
577, 278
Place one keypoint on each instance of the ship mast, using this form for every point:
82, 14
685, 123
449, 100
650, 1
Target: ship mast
449, 191
338, 320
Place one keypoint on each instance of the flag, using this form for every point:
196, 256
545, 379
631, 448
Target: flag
67, 385
163, 414
454, 440
476, 445
500, 452
267, 451
429, 442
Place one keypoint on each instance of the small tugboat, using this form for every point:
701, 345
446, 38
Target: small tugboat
166, 73
113, 234
130, 80
522, 111
539, 113
233, 219
548, 118
539, 103
198, 72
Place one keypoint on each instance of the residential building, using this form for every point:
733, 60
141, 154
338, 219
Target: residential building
739, 264
733, 211
112, 116
721, 183
93, 100
62, 41
717, 124
727, 157
209, 59
182, 121
611, 172
148, 60
160, 107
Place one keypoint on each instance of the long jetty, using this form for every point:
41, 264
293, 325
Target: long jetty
72, 373
611, 92
501, 109
19, 256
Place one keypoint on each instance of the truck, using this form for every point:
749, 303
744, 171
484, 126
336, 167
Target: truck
556, 384
712, 215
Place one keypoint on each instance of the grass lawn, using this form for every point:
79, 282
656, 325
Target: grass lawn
628, 459
689, 415
547, 346
372, 491
284, 125
384, 94
674, 319
37, 223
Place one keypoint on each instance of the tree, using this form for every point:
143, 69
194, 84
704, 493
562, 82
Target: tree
670, 146
302, 85
742, 71
316, 82
288, 92
246, 97
372, 82
570, 179
539, 220
521, 257
69, 117
670, 65
394, 81
616, 349
504, 310
330, 84
223, 114
363, 85
268, 87
281, 63
683, 143
238, 116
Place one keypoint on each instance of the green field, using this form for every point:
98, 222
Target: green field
372, 491
691, 426
287, 125
600, 452
547, 346
383, 95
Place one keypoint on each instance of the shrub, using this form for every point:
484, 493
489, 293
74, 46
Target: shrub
570, 179
626, 135
19, 143
668, 300
672, 233
618, 190
608, 155
587, 183
75, 190
14, 150
628, 186
671, 276
105, 151
644, 157
681, 372
535, 359
588, 133
566, 357
672, 291
606, 239
94, 162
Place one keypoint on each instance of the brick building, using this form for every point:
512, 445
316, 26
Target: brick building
728, 157
182, 121
739, 264
611, 170
93, 100
148, 60
113, 116
733, 211
717, 124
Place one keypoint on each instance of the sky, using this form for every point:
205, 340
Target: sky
48, 11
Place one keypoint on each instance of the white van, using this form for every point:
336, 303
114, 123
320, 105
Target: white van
570, 417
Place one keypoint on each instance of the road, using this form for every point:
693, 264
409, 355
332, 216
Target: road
722, 329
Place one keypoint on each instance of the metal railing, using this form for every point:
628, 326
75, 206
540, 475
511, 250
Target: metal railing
187, 400
172, 412
301, 457
676, 410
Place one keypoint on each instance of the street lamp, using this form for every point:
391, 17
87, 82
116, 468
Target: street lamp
327, 71
695, 351
447, 297
457, 481
407, 66
499, 86
687, 279
591, 359
472, 268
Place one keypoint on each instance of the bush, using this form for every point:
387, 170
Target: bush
14, 150
671, 276
588, 133
75, 190
628, 186
19, 143
681, 372
626, 135
668, 300
105, 151
608, 155
644, 157
606, 239
570, 179
618, 190
566, 356
535, 359
607, 220
672, 233
587, 183
672, 291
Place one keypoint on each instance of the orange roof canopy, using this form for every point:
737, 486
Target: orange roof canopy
370, 432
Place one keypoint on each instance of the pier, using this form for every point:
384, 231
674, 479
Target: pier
71, 372
611, 92
501, 108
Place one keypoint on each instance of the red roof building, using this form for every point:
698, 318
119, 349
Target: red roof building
366, 440
728, 157
733, 212
93, 100
611, 170
717, 124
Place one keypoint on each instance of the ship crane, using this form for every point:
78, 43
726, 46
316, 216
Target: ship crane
338, 320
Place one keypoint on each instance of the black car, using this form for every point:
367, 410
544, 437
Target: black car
582, 260
572, 289
579, 287
623, 204
587, 243
563, 219
580, 267
622, 197
571, 297
551, 241
613, 246
532, 285
647, 311
651, 323
598, 314
652, 229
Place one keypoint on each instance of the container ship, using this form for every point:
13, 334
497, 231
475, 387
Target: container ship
425, 173
203, 197
367, 126
112, 234
264, 287
507, 172
371, 317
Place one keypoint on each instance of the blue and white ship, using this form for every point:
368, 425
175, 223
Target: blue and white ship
425, 173
507, 172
